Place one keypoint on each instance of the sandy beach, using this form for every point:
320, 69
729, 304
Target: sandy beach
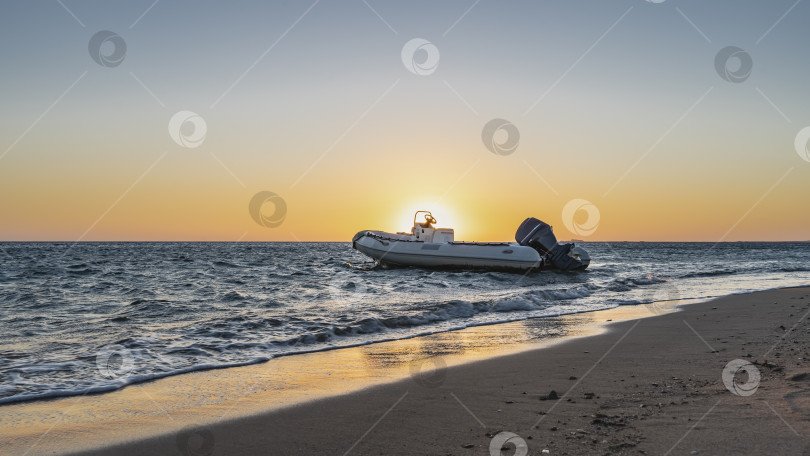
640, 386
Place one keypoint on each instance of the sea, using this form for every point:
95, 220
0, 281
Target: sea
93, 317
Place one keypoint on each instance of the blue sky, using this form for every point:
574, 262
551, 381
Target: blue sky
311, 100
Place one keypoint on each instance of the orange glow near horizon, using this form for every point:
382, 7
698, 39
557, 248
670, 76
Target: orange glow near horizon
486, 204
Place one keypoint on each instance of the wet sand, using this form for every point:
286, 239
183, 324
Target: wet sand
637, 386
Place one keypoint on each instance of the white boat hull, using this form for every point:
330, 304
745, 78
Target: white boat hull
460, 255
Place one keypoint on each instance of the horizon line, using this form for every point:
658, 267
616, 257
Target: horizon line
321, 241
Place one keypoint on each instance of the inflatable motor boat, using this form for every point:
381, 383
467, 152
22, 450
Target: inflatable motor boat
430, 247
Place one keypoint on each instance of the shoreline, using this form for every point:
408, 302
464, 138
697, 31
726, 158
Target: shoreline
53, 396
389, 371
333, 373
659, 305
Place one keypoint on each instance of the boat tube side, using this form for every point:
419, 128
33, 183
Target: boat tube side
447, 255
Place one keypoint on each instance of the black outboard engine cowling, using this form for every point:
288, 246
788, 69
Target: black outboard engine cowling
537, 235
540, 236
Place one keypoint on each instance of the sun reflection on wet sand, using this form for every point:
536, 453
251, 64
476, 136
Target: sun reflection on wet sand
199, 398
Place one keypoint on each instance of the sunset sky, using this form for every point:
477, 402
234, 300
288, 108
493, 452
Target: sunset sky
618, 103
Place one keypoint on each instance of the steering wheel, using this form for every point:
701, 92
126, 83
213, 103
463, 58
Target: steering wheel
429, 219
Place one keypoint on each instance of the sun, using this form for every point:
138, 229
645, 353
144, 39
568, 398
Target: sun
445, 216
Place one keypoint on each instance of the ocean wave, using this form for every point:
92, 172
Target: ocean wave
107, 385
226, 264
240, 303
795, 269
233, 296
87, 271
713, 273
453, 310
629, 283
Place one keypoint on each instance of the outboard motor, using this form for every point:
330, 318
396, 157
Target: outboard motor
540, 236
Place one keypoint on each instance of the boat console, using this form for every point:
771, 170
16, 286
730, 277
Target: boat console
427, 232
